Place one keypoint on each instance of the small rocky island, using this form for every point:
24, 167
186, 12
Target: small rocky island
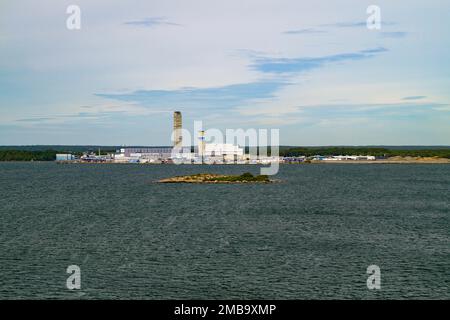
218, 178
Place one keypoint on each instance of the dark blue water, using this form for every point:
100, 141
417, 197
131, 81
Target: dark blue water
311, 236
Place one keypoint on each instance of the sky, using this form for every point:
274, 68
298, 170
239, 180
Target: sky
311, 69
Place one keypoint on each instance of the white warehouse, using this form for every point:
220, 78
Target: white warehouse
223, 149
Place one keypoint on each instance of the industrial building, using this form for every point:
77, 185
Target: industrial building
223, 151
147, 154
347, 157
65, 157
204, 153
208, 153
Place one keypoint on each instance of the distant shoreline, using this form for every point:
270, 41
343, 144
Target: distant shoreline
345, 162
437, 161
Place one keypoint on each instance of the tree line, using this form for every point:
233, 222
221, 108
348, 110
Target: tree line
24, 155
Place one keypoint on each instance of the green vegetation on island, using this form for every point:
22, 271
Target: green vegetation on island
218, 178
245, 177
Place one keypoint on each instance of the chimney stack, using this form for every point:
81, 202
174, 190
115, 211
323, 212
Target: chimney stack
177, 130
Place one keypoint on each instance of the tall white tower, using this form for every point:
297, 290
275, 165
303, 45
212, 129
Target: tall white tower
201, 144
177, 130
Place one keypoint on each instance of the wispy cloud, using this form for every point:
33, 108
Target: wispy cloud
88, 114
404, 109
304, 31
354, 112
62, 118
296, 65
37, 119
237, 95
217, 98
395, 34
373, 50
414, 98
151, 22
354, 24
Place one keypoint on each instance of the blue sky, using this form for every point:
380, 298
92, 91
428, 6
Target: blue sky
311, 69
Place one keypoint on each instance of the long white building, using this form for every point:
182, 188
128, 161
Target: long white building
223, 149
